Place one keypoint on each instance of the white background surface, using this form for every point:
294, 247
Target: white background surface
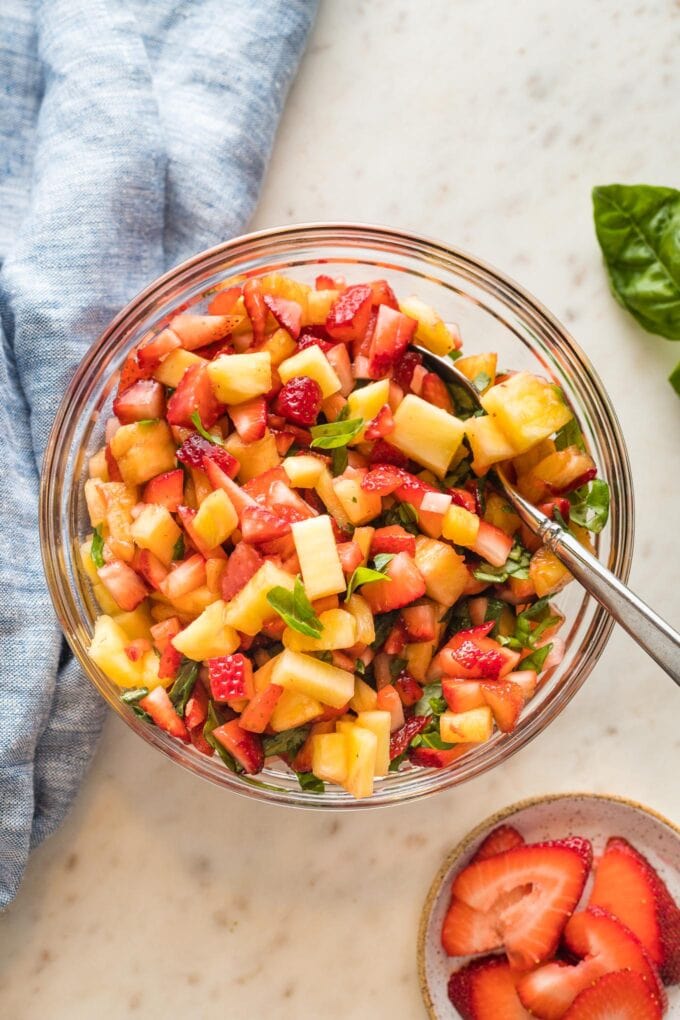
483, 124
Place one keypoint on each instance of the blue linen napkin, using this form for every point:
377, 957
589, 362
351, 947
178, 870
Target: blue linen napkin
132, 134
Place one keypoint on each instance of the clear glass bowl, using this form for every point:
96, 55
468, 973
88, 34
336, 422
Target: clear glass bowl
493, 313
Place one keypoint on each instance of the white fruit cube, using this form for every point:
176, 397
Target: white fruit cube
311, 362
216, 519
359, 505
236, 378
488, 443
326, 492
155, 529
173, 367
316, 679
443, 570
303, 471
362, 750
254, 458
329, 757
339, 631
318, 555
107, 650
426, 433
471, 727
431, 331
366, 402
365, 698
379, 723
249, 609
143, 450
209, 635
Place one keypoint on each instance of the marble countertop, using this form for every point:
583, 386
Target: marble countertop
486, 127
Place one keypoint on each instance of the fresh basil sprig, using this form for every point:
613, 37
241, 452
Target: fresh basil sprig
363, 575
295, 609
311, 783
570, 435
287, 742
590, 505
97, 547
336, 433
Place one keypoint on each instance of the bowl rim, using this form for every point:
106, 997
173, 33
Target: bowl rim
513, 297
494, 819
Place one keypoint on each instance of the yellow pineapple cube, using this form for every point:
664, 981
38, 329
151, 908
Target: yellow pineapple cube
548, 574
359, 506
173, 367
474, 365
431, 332
526, 408
255, 458
362, 751
155, 529
105, 600
143, 451
363, 537
443, 570
285, 287
361, 611
280, 346
87, 563
329, 757
311, 362
326, 492
294, 709
318, 306
471, 727
318, 555
426, 433
499, 513
216, 519
366, 402
190, 605
524, 462
303, 471
460, 526
95, 500
149, 670
209, 635
249, 609
339, 631
365, 698
314, 678
107, 650
137, 623
379, 723
97, 466
236, 378
488, 443
418, 658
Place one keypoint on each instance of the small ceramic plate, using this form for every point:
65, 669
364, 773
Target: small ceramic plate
590, 815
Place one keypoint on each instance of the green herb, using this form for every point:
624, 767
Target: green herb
336, 433
397, 762
431, 739
590, 505
97, 548
381, 560
360, 667
536, 659
454, 355
295, 609
141, 714
178, 548
211, 723
674, 378
185, 681
135, 695
339, 459
570, 435
404, 514
559, 518
464, 403
460, 474
481, 381
516, 565
383, 623
530, 625
308, 781
457, 617
198, 424
148, 421
432, 701
494, 610
286, 743
397, 666
324, 656
363, 575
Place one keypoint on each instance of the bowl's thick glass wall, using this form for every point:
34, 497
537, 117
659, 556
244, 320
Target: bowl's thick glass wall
492, 312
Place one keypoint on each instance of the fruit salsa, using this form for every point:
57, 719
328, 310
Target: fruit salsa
603, 955
298, 548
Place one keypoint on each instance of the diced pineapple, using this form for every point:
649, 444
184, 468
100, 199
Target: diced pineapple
209, 635
149, 670
488, 443
443, 570
262, 676
97, 466
475, 365
285, 287
318, 555
248, 610
362, 750
190, 605
303, 471
460, 526
255, 458
107, 650
363, 538
173, 367
471, 727
547, 573
339, 631
95, 500
366, 402
214, 568
379, 723
499, 513
318, 306
280, 346
105, 600
524, 462
143, 450
87, 563
137, 623
365, 698
294, 709
329, 757
236, 378
155, 529
312, 362
359, 505
431, 332
216, 519
360, 610
418, 658
314, 678
526, 408
326, 492
426, 433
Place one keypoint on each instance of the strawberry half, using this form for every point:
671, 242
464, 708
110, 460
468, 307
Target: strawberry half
502, 838
245, 747
350, 313
250, 419
401, 738
622, 995
253, 299
485, 990
260, 525
144, 399
506, 701
158, 705
167, 490
381, 425
392, 334
194, 393
405, 584
287, 313
420, 622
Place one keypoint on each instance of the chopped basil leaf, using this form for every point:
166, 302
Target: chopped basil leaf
295, 609
590, 505
481, 381
324, 656
360, 667
454, 355
381, 560
431, 700
397, 666
396, 763
211, 723
404, 514
135, 695
516, 565
198, 424
559, 518
339, 460
536, 659
141, 714
287, 742
431, 739
147, 421
363, 575
383, 625
465, 405
185, 681
570, 435
308, 781
460, 474
336, 433
178, 548
97, 548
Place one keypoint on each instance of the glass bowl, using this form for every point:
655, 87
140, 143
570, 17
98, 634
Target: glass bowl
492, 312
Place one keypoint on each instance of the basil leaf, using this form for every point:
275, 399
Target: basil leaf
404, 514
178, 549
339, 459
141, 714
570, 435
590, 505
383, 623
431, 693
432, 739
638, 228
287, 742
185, 681
397, 762
97, 548
363, 575
198, 424
397, 666
516, 565
464, 404
211, 723
133, 696
536, 659
674, 378
481, 381
381, 560
454, 354
148, 421
336, 433
295, 609
308, 781
360, 667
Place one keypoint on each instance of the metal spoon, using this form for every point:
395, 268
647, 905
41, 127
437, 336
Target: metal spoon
647, 628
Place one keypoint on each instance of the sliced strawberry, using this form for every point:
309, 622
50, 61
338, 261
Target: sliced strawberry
184, 577
231, 676
349, 314
151, 568
250, 419
225, 301
396, 639
242, 564
312, 340
408, 689
151, 354
383, 479
389, 701
622, 995
492, 544
167, 490
405, 585
384, 453
325, 282
420, 622
253, 299
300, 400
260, 525
462, 695
201, 330
287, 313
470, 655
393, 539
434, 758
220, 479
461, 497
383, 294
194, 394
381, 425
289, 505
604, 945
193, 450
401, 738
132, 371
196, 710
412, 490
169, 662
506, 701
434, 391
199, 742
163, 632
256, 715
158, 705
392, 334
245, 747
112, 465
350, 556
125, 586
525, 896
405, 367
143, 400
260, 487
500, 839
486, 990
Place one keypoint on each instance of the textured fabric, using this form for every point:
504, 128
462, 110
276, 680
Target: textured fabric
132, 134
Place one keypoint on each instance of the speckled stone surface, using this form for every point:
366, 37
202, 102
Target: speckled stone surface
485, 125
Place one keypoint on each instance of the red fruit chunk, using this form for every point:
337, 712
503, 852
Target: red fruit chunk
250, 419
396, 639
350, 313
506, 701
125, 586
158, 705
112, 465
383, 453
253, 298
150, 567
186, 515
256, 715
132, 371
383, 294
169, 662
144, 399
231, 676
202, 330
184, 577
312, 340
243, 563
562, 505
622, 995
350, 556
193, 450
392, 539
224, 301
260, 525
287, 313
525, 896
485, 990
405, 585
461, 497
381, 425
462, 695
420, 622
324, 282
194, 394
408, 689
434, 758
300, 400
260, 487
245, 747
604, 945
412, 490
392, 334
434, 391
470, 655
405, 367
220, 479
492, 544
401, 738
163, 632
167, 490
383, 479
222, 459
502, 838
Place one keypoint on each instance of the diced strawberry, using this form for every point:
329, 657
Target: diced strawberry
462, 695
623, 995
461, 497
381, 425
339, 360
250, 419
436, 758
486, 990
151, 568
112, 465
420, 622
526, 680
506, 701
125, 586
220, 479
396, 639
405, 367
287, 313
199, 742
212, 351
202, 330
245, 747
603, 945
383, 294
401, 738
256, 715
434, 391
144, 399
137, 648
525, 896
132, 371
169, 662
350, 556
163, 632
392, 539
151, 354
184, 577
324, 282
392, 334
384, 453
313, 340
470, 655
300, 400
289, 505
500, 839
158, 705
389, 701
260, 487
492, 544
196, 710
224, 301
383, 479
260, 525
408, 689
283, 440
413, 489
193, 450
167, 490
231, 676
253, 298
350, 313
405, 584
194, 394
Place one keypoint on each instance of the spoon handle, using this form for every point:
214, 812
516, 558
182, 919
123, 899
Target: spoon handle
644, 625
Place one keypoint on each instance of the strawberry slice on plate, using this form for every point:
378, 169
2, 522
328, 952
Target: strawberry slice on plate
622, 995
485, 990
502, 838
